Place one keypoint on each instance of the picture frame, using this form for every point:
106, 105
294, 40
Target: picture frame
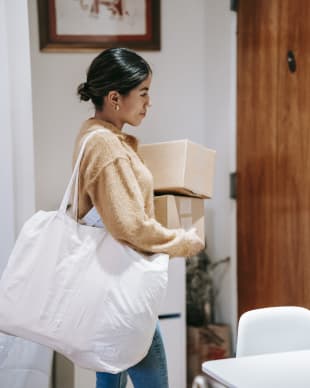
88, 25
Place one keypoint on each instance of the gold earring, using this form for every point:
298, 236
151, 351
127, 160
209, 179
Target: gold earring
116, 107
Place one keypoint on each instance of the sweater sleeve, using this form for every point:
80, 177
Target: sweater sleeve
117, 197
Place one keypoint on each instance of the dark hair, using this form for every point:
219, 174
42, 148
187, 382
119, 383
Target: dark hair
118, 69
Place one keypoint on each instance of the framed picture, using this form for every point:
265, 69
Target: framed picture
80, 25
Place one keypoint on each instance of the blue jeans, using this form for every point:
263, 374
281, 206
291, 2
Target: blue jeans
151, 372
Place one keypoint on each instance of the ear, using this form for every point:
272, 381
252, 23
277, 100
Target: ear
113, 98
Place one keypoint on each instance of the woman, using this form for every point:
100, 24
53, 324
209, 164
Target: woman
115, 181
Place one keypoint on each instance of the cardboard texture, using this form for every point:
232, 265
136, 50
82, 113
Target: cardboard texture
205, 343
174, 212
180, 166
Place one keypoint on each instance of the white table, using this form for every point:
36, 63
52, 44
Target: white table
274, 370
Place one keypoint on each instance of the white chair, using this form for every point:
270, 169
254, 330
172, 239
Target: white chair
273, 329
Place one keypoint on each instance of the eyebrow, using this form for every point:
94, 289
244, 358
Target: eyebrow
145, 88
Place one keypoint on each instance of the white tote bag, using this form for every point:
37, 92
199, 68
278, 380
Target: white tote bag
76, 289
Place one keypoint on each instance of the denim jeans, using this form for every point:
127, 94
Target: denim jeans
151, 372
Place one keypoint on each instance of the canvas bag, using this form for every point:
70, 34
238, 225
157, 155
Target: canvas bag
76, 289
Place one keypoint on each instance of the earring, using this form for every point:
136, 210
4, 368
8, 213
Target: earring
116, 107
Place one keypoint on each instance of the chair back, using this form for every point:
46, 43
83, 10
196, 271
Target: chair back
272, 330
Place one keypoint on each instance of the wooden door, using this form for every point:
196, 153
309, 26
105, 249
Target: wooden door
273, 154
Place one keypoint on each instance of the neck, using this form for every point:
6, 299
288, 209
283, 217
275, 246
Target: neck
109, 118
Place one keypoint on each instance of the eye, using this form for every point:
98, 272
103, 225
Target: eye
144, 94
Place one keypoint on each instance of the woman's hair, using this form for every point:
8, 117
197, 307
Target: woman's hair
118, 69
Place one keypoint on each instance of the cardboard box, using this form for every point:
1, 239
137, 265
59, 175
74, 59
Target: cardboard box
205, 343
180, 167
174, 212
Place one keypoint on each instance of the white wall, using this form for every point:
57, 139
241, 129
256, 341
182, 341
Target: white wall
16, 157
220, 90
7, 224
193, 96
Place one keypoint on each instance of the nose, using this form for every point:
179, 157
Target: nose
149, 103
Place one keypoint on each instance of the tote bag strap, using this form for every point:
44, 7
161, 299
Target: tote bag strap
74, 180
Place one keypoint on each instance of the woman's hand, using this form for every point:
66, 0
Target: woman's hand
195, 243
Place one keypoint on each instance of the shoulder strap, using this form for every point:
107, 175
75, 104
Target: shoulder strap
75, 177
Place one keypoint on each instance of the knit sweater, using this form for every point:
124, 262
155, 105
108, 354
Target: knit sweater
114, 179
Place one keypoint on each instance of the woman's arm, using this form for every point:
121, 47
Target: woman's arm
117, 197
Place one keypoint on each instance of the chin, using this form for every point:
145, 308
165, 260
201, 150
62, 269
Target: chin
135, 123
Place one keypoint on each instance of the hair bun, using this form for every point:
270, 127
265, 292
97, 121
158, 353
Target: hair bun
83, 91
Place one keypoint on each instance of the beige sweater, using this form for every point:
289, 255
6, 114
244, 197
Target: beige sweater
114, 179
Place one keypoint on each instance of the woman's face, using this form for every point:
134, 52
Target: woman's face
133, 107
